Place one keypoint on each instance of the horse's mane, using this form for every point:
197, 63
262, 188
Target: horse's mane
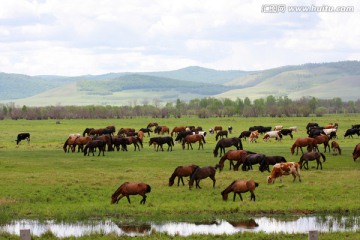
228, 189
118, 191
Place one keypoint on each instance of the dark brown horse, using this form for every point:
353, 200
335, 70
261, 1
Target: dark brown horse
202, 173
310, 156
161, 130
160, 141
135, 141
126, 131
303, 142
180, 172
87, 131
322, 139
189, 139
240, 186
221, 134
131, 188
92, 145
356, 152
107, 139
252, 159
232, 155
225, 143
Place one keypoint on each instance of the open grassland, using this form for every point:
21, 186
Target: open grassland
40, 181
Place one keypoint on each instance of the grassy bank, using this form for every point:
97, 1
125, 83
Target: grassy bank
40, 181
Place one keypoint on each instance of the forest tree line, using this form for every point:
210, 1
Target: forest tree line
202, 107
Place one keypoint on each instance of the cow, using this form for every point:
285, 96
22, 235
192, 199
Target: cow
23, 136
284, 168
286, 132
273, 134
253, 136
245, 134
278, 128
351, 132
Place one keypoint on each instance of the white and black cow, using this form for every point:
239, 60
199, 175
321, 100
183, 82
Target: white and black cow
23, 136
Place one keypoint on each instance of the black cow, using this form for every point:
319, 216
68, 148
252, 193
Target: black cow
23, 136
286, 132
357, 126
245, 134
261, 129
351, 132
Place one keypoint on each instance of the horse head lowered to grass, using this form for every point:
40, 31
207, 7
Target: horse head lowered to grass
131, 188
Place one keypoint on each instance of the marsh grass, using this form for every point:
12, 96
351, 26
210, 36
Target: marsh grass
40, 181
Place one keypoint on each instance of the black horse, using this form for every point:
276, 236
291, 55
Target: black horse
181, 135
252, 159
160, 141
227, 142
270, 160
146, 130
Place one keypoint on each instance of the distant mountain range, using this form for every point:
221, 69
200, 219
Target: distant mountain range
325, 81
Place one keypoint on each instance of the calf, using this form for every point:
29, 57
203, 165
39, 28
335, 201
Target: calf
23, 136
286, 168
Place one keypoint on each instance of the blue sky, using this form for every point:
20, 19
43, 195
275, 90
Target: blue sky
76, 37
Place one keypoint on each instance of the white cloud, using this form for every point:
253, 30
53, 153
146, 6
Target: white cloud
69, 37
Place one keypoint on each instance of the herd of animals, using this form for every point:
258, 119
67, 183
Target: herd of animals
98, 139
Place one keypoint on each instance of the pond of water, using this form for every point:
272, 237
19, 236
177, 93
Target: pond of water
302, 224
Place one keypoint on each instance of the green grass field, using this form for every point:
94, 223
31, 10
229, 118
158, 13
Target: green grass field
40, 181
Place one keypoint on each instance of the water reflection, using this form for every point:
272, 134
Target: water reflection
263, 224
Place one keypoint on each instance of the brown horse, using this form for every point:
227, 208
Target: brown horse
80, 142
152, 124
100, 131
217, 128
323, 139
202, 173
303, 142
189, 139
225, 143
238, 187
176, 130
232, 155
221, 134
356, 152
131, 188
336, 148
125, 131
135, 141
310, 156
161, 130
70, 141
180, 172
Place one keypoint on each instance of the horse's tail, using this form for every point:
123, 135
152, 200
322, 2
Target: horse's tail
139, 139
203, 138
323, 157
172, 142
256, 184
148, 188
240, 144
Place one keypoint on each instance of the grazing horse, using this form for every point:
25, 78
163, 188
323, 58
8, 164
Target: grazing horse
100, 131
218, 128
232, 155
120, 141
225, 143
161, 130
126, 131
146, 130
152, 124
303, 142
92, 145
131, 188
176, 130
159, 141
87, 131
356, 152
80, 142
322, 139
22, 136
180, 172
336, 148
309, 156
221, 134
201, 173
252, 159
181, 136
270, 160
238, 187
70, 141
107, 139
189, 139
